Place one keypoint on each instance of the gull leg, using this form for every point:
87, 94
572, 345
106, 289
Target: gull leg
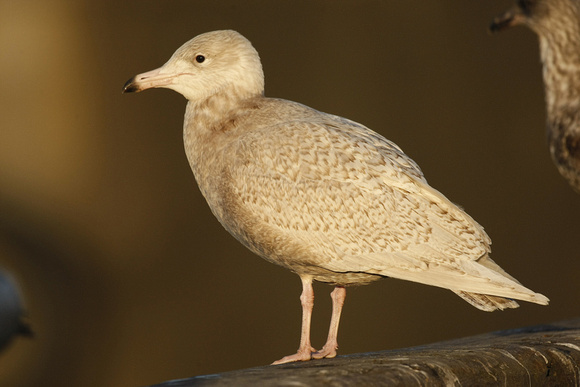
307, 300
329, 350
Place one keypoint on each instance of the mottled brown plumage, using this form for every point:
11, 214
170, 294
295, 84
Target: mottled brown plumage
557, 24
320, 195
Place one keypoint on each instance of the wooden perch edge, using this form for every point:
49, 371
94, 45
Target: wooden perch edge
544, 355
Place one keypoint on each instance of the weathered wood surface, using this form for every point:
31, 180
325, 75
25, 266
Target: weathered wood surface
544, 355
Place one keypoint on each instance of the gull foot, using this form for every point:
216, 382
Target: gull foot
301, 355
325, 352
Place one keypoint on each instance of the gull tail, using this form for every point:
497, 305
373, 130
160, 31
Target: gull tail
489, 303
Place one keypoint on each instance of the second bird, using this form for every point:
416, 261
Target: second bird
320, 195
557, 24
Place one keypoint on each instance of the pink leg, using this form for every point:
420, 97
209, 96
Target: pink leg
329, 350
307, 301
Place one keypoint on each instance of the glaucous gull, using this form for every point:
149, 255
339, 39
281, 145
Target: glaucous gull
557, 24
320, 195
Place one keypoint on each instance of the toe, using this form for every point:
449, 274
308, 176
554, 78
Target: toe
298, 356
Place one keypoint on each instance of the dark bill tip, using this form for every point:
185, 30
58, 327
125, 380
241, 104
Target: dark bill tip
499, 24
509, 19
130, 86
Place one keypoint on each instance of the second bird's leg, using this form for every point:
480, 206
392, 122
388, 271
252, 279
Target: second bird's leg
329, 350
307, 300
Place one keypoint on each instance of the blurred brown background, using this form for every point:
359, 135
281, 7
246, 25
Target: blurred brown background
127, 276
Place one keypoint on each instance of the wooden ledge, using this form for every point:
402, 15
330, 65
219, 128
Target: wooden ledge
543, 355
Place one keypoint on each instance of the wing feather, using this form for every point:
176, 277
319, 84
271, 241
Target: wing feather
360, 204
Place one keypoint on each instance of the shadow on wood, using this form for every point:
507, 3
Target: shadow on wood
545, 355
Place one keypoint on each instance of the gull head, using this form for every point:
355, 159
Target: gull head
542, 16
218, 61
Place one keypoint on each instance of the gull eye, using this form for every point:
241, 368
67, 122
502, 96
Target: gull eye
200, 59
